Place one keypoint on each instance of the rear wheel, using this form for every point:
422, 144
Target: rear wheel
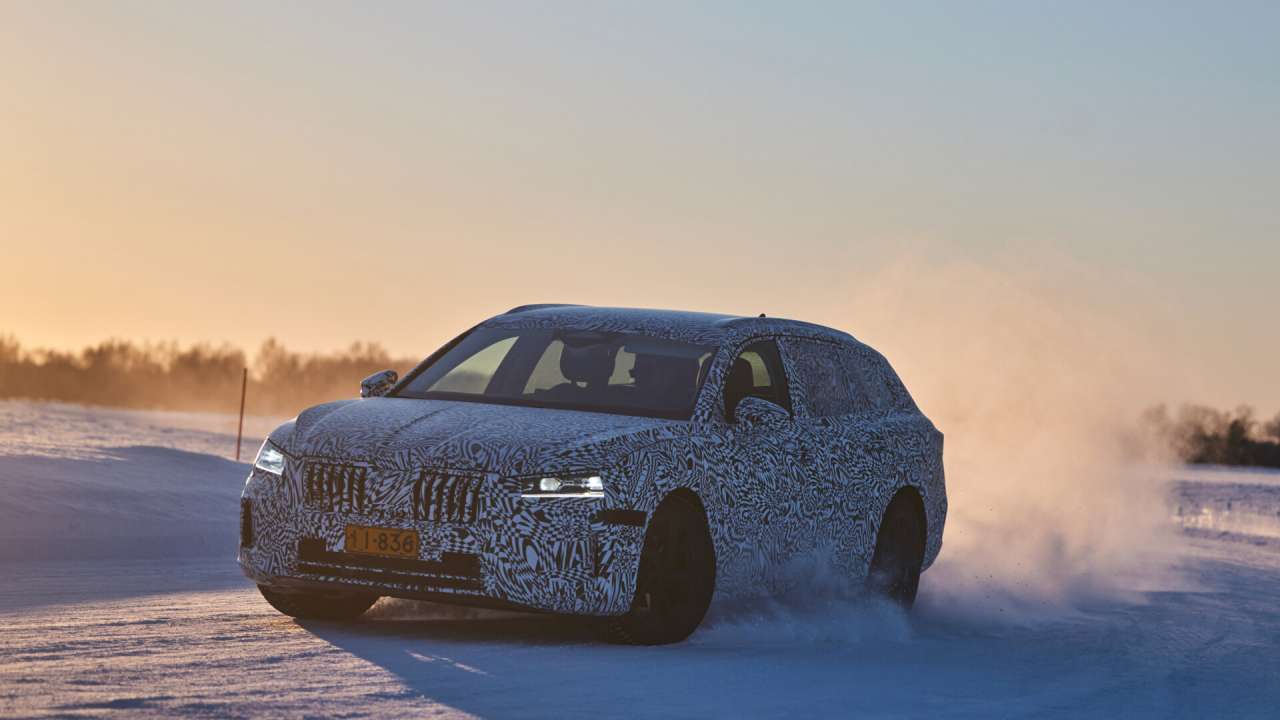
676, 579
895, 567
315, 605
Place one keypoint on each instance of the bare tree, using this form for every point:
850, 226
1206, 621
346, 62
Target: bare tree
1271, 431
201, 377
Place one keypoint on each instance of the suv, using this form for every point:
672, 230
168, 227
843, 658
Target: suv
618, 463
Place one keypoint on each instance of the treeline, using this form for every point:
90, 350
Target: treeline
200, 377
1204, 435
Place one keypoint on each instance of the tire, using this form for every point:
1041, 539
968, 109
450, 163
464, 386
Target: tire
312, 605
895, 567
676, 578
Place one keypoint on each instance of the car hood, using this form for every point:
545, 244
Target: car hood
512, 440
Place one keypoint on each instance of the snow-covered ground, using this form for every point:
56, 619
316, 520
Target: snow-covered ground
1229, 502
89, 484
120, 596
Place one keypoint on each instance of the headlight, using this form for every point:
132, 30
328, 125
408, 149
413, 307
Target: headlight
579, 486
270, 459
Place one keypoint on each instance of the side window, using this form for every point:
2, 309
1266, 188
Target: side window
756, 372
890, 389
872, 383
822, 375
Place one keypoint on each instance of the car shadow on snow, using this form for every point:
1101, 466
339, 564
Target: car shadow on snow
832, 657
490, 663
408, 619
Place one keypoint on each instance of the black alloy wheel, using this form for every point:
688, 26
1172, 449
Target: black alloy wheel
676, 579
895, 567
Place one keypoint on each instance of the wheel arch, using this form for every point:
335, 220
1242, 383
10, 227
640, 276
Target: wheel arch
684, 493
911, 496
687, 493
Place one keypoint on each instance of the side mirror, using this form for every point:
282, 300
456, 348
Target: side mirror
752, 411
378, 384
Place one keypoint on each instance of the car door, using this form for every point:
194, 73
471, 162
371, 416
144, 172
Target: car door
756, 471
820, 394
847, 445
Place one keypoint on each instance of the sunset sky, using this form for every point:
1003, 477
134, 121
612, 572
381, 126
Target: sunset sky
323, 173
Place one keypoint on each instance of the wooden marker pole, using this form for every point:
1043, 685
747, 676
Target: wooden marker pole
244, 383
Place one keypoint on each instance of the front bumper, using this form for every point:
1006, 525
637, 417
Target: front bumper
494, 547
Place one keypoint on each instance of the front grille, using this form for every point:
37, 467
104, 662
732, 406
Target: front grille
443, 497
453, 571
334, 487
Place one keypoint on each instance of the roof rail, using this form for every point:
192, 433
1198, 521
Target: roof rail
537, 306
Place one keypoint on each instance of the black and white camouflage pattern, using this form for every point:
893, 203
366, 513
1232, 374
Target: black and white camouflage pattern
813, 487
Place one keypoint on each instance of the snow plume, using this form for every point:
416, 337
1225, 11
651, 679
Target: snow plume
820, 608
803, 619
1036, 392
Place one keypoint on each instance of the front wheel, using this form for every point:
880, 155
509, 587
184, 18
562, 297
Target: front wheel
676, 579
315, 605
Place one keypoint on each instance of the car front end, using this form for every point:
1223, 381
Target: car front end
415, 517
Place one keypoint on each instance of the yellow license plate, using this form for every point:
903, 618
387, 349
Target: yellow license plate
389, 542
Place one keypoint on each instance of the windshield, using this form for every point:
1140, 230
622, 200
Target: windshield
572, 369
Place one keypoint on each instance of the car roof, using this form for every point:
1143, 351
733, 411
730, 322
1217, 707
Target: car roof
696, 327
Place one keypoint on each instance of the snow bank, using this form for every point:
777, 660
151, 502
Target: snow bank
1231, 503
76, 431
96, 483
128, 502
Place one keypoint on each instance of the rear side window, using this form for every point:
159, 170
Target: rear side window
845, 378
872, 383
821, 370
894, 392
